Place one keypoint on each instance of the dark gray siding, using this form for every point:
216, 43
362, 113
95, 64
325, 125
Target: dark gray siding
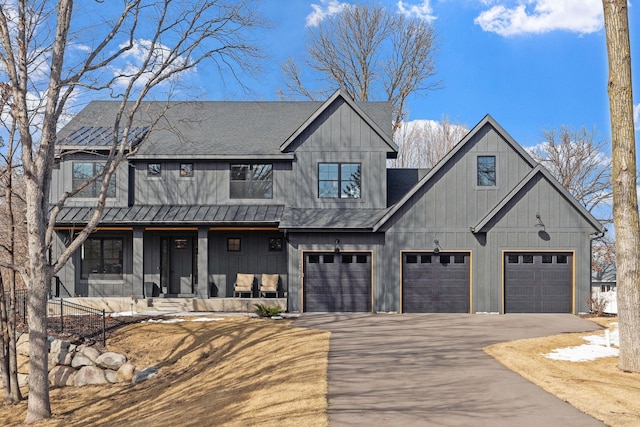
61, 181
209, 184
450, 204
298, 243
253, 258
339, 134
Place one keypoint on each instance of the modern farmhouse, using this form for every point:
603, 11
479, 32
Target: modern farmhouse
216, 192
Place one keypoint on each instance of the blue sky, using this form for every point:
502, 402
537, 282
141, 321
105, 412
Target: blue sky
532, 64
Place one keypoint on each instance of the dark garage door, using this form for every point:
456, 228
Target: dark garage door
337, 282
538, 282
435, 283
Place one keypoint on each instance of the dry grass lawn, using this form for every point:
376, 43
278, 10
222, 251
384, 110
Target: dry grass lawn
235, 372
597, 387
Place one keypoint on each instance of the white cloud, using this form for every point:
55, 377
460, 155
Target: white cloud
421, 11
542, 16
636, 116
323, 10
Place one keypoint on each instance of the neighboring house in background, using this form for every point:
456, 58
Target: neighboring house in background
301, 189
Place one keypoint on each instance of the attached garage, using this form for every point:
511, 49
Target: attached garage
537, 282
436, 282
337, 282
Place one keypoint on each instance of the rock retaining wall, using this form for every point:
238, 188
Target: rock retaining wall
78, 365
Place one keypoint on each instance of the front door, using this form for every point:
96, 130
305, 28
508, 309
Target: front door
179, 258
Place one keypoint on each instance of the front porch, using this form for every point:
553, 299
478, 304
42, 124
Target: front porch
161, 305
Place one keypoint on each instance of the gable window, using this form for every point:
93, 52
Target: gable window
251, 181
102, 259
82, 171
486, 171
186, 170
339, 180
154, 170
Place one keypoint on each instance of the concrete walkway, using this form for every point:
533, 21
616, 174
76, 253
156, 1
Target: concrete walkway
430, 370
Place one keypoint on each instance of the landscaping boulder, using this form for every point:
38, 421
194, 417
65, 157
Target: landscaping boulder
61, 376
23, 380
111, 360
126, 371
111, 375
22, 345
23, 364
80, 360
89, 375
145, 374
91, 353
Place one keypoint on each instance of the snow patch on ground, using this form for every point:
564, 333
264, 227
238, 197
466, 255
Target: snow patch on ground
177, 320
602, 345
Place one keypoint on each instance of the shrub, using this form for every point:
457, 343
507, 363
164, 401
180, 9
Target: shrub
264, 310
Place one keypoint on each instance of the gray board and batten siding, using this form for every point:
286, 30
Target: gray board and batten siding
447, 212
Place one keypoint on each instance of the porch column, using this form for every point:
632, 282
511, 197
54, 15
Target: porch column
137, 275
202, 289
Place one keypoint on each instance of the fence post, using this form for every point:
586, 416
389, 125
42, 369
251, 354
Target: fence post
104, 338
61, 317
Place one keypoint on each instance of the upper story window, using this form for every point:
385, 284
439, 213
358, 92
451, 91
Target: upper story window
251, 181
82, 171
339, 180
486, 171
186, 170
154, 169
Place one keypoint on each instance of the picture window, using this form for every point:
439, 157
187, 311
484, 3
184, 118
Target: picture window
339, 180
251, 181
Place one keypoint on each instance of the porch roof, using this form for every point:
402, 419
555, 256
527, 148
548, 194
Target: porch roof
174, 215
354, 219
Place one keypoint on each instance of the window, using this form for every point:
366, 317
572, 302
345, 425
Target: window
361, 259
527, 259
327, 259
154, 170
347, 259
486, 171
253, 181
425, 259
314, 259
339, 180
186, 170
82, 171
233, 244
412, 259
102, 259
458, 259
561, 259
275, 244
512, 259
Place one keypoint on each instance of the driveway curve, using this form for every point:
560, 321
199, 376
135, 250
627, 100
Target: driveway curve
430, 370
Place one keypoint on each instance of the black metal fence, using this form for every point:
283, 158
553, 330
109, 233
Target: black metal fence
66, 317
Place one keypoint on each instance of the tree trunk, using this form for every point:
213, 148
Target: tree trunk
625, 199
4, 345
38, 283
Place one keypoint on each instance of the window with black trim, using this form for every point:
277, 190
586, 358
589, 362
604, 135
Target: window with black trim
186, 170
82, 171
233, 244
327, 259
154, 170
251, 181
547, 259
275, 244
513, 259
561, 259
458, 259
347, 259
361, 259
486, 168
412, 259
314, 259
527, 259
425, 259
339, 180
101, 258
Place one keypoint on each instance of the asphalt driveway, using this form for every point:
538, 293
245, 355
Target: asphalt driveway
430, 370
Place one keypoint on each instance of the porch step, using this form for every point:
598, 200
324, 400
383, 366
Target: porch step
161, 304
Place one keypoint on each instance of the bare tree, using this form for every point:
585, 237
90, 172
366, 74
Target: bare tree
578, 161
372, 53
625, 198
11, 252
423, 143
603, 259
49, 57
